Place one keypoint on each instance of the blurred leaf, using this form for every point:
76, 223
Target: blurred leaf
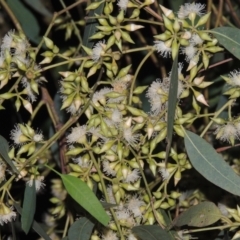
36, 227
29, 207
83, 195
151, 232
172, 102
4, 153
27, 20
39, 7
210, 164
229, 38
107, 205
175, 4
201, 215
81, 229
90, 27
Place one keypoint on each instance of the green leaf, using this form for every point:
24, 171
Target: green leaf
27, 20
210, 164
172, 102
4, 148
36, 227
90, 27
83, 195
229, 38
29, 207
39, 7
151, 232
81, 229
201, 215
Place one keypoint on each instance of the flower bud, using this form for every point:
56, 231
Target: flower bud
135, 13
120, 16
164, 205
168, 24
94, 5
167, 12
164, 36
27, 105
127, 37
203, 19
176, 26
75, 151
49, 43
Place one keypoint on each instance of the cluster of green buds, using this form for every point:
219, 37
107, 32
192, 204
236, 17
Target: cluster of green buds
18, 60
182, 33
74, 91
51, 53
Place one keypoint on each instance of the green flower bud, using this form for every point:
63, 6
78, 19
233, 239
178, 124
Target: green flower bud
92, 71
204, 36
152, 166
94, 5
135, 13
7, 95
20, 65
175, 195
214, 49
168, 24
112, 20
178, 130
133, 27
176, 25
105, 28
126, 37
49, 43
167, 12
129, 187
106, 146
136, 112
203, 20
24, 148
120, 16
75, 168
110, 42
183, 42
98, 35
75, 151
124, 71
165, 205
140, 89
103, 21
157, 195
31, 149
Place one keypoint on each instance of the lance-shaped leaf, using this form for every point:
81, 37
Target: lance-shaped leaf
229, 38
84, 196
4, 153
203, 214
29, 207
36, 227
151, 232
210, 164
91, 25
172, 102
81, 229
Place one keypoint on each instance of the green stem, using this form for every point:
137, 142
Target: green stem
136, 74
105, 193
215, 115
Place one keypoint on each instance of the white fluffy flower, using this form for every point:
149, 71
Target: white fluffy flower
7, 41
39, 184
123, 4
196, 40
164, 173
134, 203
226, 132
98, 51
7, 214
191, 8
84, 163
190, 52
110, 195
99, 96
78, 134
108, 169
26, 85
109, 235
130, 137
15, 135
234, 78
161, 48
132, 176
